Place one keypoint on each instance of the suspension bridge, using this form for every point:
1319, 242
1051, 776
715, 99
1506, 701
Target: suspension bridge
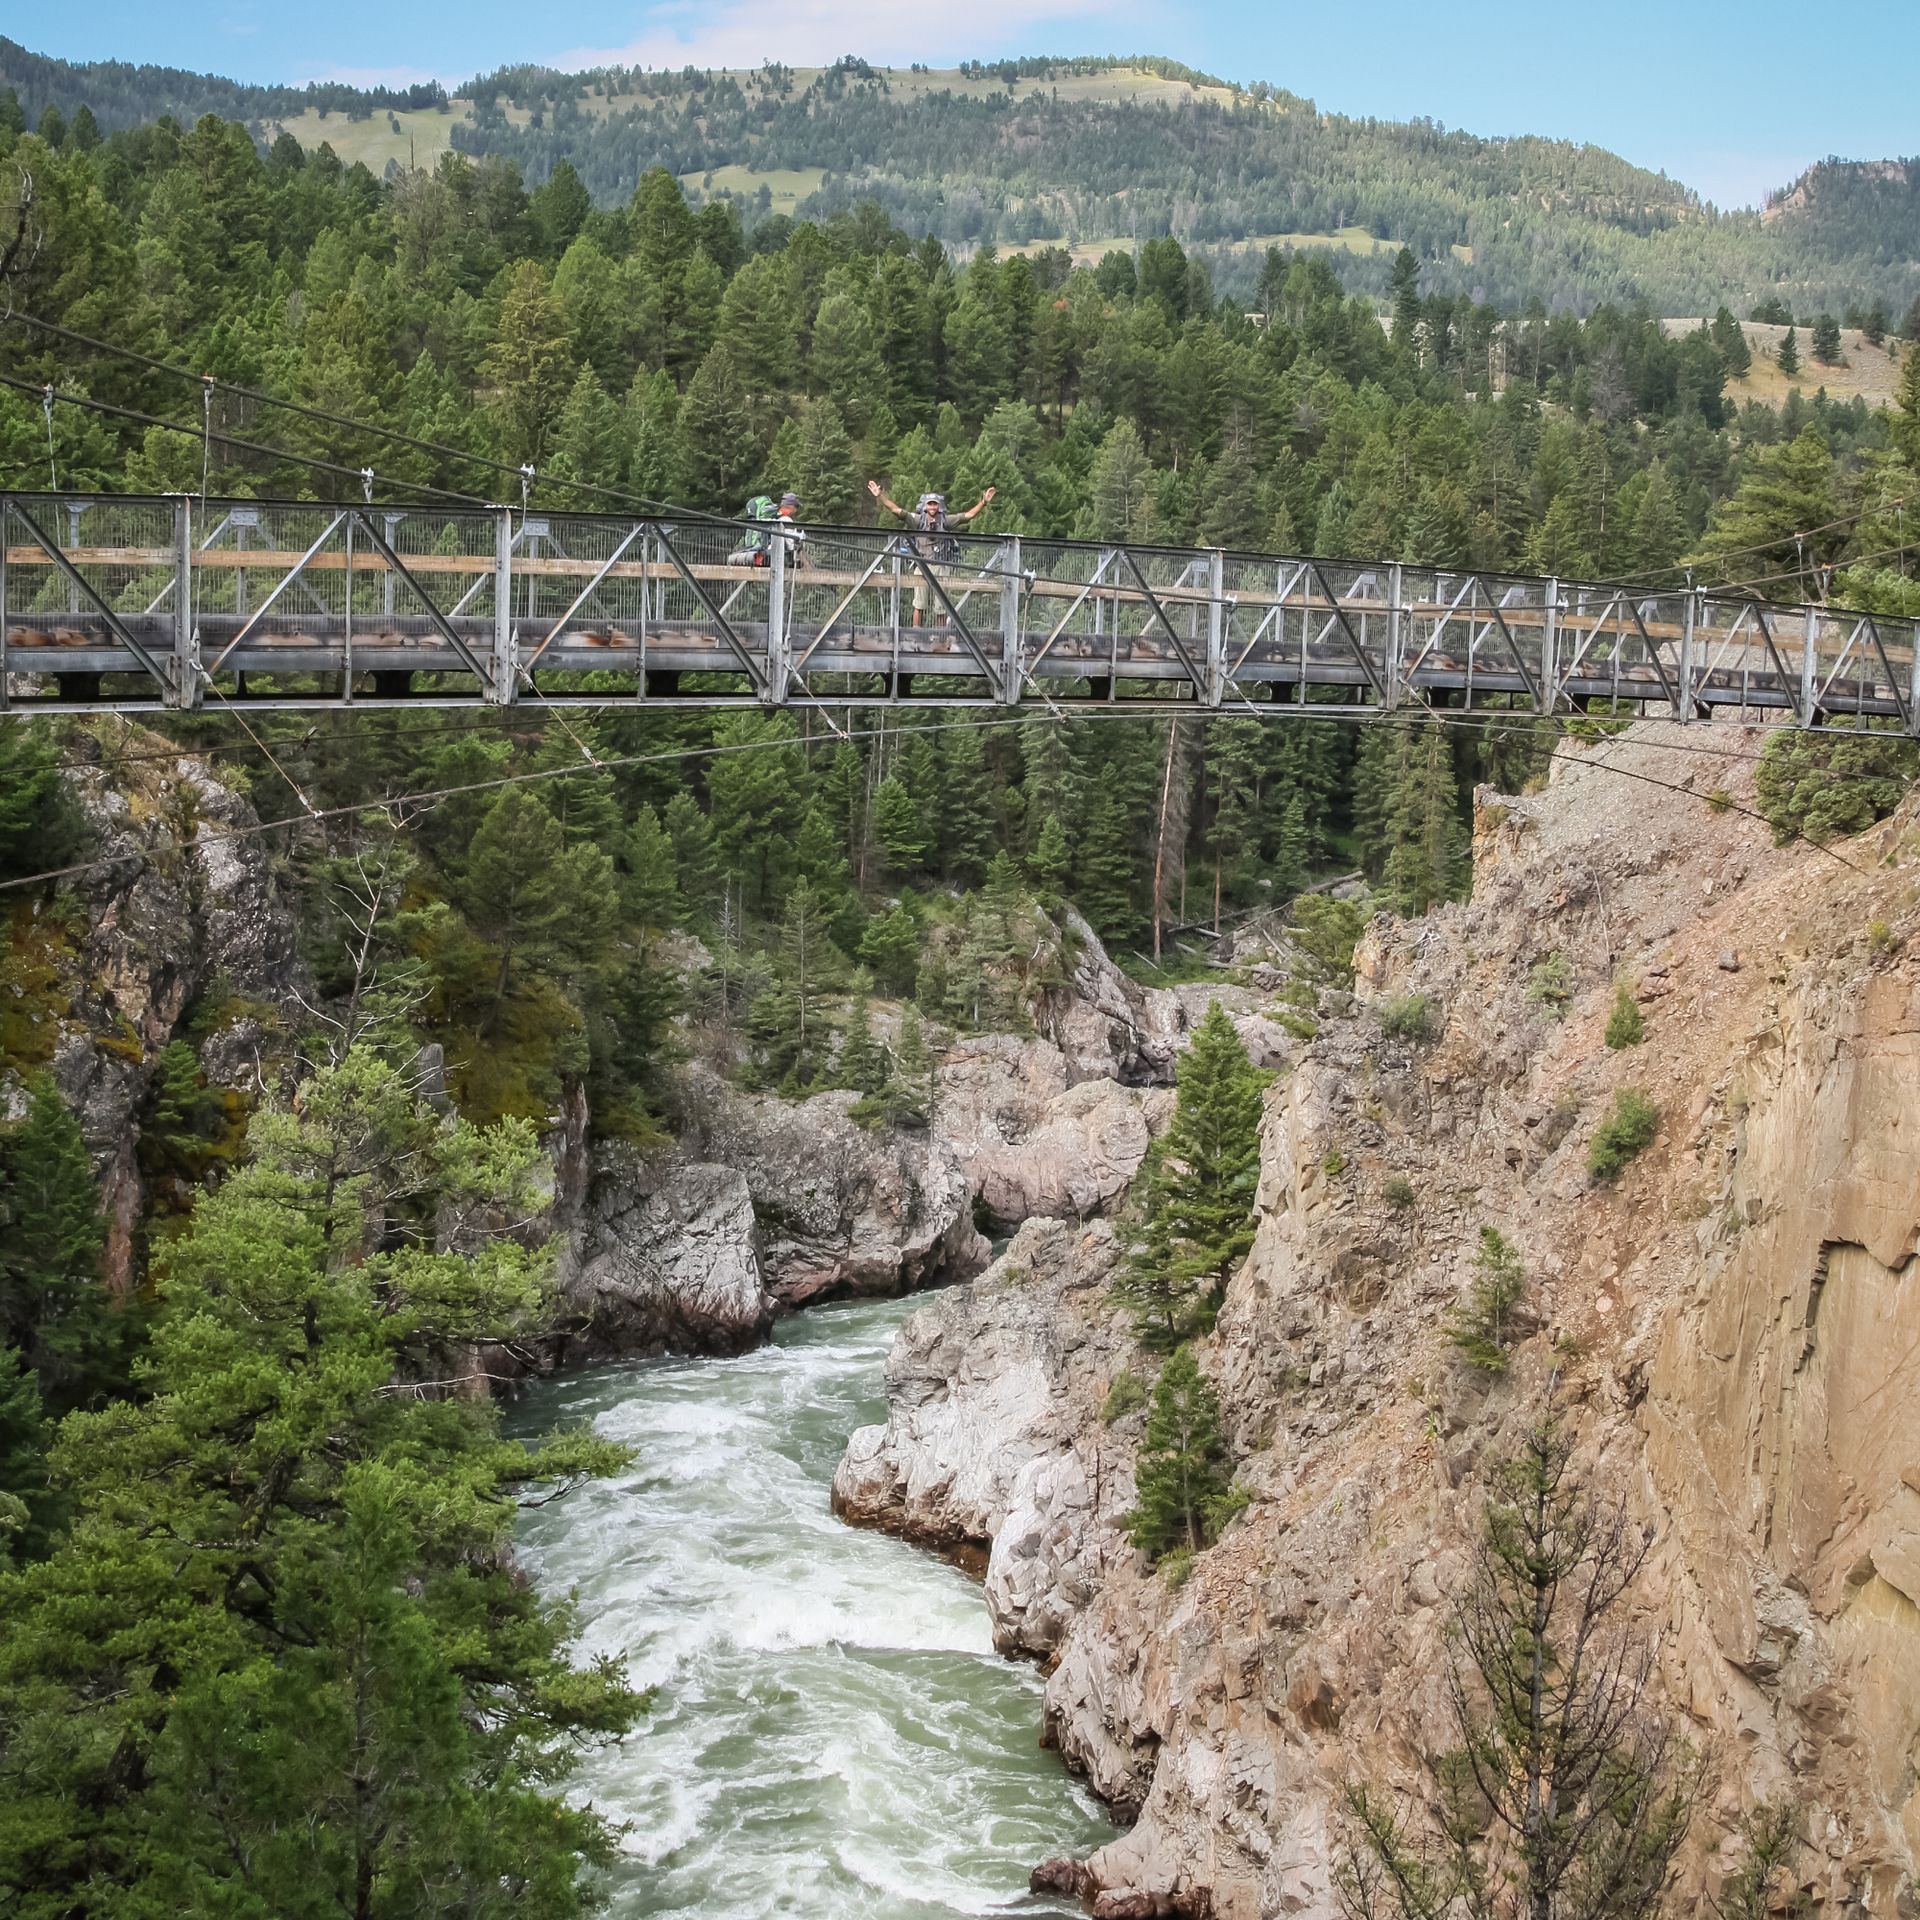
176, 603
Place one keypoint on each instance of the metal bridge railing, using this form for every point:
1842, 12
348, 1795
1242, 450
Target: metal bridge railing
151, 603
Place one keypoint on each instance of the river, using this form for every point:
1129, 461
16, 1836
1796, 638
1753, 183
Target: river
834, 1735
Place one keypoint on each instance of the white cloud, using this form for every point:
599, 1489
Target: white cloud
740, 33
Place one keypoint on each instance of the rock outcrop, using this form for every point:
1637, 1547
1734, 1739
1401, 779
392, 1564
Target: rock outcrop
1034, 1141
993, 1435
664, 1256
842, 1210
184, 916
1732, 1327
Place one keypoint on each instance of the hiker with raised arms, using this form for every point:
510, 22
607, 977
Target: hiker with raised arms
931, 541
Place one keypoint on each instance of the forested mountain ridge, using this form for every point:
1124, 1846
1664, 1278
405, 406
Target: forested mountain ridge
1090, 150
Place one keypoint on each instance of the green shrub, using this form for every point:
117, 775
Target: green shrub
1482, 1325
1625, 1132
1408, 1018
1550, 983
1333, 1163
1398, 1192
1880, 940
1176, 1567
1326, 929
1817, 784
1626, 1024
1127, 1394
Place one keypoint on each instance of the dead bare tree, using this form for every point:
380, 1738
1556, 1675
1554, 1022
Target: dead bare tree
1567, 1795
20, 234
365, 891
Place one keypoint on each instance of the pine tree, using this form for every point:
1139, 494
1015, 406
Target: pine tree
53, 1303
716, 432
1826, 340
963, 806
1120, 489
1291, 848
1404, 292
530, 363
1103, 870
1426, 840
40, 824
755, 328
1567, 1793
756, 801
1787, 356
587, 440
890, 946
286, 1586
542, 904
1182, 1477
1482, 1326
910, 1089
1906, 424
900, 826
822, 471
656, 456
26, 1493
846, 362
1778, 518
696, 865
650, 885
863, 1060
1194, 1210
1049, 859
1730, 343
1626, 1024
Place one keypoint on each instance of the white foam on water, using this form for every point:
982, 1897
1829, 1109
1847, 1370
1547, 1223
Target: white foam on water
834, 1735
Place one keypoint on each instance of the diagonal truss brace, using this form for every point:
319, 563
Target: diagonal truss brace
442, 624
115, 625
959, 625
1346, 627
1192, 672
748, 665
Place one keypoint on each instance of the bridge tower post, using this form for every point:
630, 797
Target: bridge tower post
1913, 682
6, 533
188, 681
1550, 649
1217, 627
1688, 625
505, 669
1011, 580
1396, 660
779, 653
1809, 663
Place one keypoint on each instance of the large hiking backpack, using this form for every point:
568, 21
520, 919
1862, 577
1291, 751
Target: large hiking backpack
754, 542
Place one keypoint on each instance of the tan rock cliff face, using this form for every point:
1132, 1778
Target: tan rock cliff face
1735, 1327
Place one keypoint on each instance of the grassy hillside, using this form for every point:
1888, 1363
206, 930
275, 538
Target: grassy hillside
1087, 152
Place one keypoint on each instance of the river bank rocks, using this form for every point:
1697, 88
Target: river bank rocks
993, 1436
1728, 1326
664, 1257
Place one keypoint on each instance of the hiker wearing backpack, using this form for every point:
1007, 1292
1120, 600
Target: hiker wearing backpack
756, 543
930, 540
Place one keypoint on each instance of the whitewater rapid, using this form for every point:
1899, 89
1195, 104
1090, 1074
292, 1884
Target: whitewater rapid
834, 1735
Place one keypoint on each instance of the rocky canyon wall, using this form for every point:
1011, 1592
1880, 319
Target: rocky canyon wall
1732, 1330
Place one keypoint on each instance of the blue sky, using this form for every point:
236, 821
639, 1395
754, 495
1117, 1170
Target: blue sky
1733, 98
